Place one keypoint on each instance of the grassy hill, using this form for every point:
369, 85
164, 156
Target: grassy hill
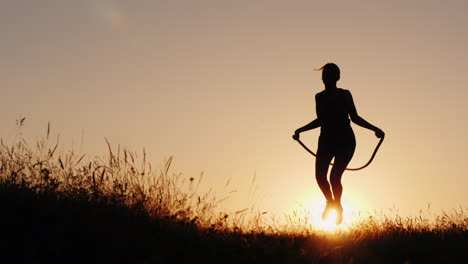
70, 209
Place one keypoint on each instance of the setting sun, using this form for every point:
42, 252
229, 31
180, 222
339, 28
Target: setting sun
329, 223
312, 208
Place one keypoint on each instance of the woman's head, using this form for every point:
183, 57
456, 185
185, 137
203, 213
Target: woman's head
330, 73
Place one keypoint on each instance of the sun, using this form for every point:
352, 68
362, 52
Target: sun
314, 209
329, 223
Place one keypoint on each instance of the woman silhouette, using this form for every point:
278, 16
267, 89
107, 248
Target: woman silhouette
334, 107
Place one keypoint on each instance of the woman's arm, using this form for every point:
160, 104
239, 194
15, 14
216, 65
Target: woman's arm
314, 124
359, 120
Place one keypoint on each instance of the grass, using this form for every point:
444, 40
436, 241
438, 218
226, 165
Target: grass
69, 208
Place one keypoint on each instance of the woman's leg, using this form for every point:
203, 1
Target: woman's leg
322, 161
321, 170
342, 159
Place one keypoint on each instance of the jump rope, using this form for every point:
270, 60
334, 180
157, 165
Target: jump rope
349, 169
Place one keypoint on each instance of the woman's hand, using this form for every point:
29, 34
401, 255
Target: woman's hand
379, 133
296, 135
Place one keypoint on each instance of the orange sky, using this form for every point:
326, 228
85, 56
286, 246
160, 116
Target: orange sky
222, 85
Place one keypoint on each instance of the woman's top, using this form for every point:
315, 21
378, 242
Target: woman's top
333, 112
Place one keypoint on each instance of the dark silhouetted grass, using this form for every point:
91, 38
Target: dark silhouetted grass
69, 208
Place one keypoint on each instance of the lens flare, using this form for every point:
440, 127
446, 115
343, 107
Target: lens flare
110, 13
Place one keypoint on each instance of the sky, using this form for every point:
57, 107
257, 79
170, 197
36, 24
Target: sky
222, 85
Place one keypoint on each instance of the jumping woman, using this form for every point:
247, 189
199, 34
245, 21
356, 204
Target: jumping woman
334, 107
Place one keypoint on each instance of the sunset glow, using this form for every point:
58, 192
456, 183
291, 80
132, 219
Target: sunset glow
222, 85
312, 210
329, 223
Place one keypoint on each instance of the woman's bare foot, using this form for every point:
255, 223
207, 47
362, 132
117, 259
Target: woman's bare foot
328, 207
339, 212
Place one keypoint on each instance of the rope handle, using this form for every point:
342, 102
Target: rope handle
349, 169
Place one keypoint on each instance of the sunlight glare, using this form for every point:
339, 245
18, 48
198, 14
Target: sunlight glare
330, 222
314, 209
